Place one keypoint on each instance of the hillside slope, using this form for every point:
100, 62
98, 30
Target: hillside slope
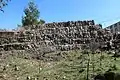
71, 66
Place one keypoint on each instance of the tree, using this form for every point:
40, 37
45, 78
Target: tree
3, 3
31, 14
41, 21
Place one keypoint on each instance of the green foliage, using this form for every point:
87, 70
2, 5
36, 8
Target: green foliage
3, 3
31, 14
18, 25
41, 21
114, 67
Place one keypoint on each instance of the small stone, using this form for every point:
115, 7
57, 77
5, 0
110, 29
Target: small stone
16, 68
40, 69
4, 68
64, 77
28, 77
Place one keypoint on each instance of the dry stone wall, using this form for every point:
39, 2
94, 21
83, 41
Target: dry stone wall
66, 35
57, 36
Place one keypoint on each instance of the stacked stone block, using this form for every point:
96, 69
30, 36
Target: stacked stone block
57, 36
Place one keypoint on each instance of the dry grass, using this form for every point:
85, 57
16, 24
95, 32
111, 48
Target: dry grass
72, 67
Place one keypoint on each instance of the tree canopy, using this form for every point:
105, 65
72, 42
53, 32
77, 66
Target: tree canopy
32, 15
3, 3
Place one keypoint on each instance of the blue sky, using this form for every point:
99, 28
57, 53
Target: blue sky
105, 12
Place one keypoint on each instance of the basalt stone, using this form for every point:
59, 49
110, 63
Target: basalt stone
108, 76
99, 77
77, 34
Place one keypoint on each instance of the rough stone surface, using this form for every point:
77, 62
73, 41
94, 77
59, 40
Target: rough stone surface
60, 36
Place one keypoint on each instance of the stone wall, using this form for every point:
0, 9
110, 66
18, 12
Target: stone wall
114, 28
58, 36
